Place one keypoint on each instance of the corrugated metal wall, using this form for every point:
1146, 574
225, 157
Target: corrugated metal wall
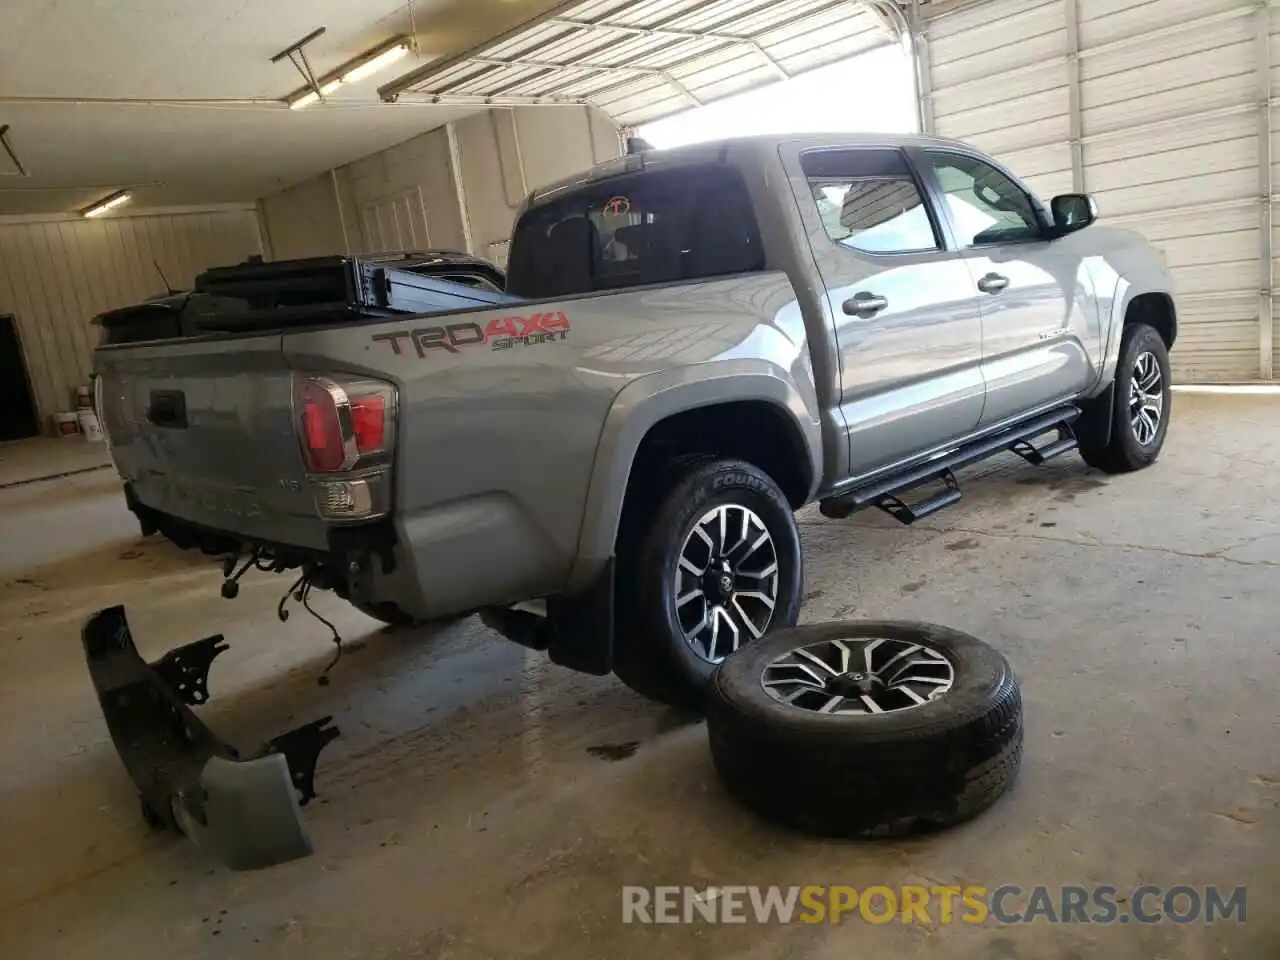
1162, 110
55, 276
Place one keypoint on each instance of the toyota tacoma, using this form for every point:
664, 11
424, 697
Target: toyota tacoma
604, 459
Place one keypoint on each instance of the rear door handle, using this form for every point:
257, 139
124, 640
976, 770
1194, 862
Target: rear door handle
993, 283
865, 305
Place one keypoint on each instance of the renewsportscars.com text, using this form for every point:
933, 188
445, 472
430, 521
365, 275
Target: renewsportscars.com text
1005, 904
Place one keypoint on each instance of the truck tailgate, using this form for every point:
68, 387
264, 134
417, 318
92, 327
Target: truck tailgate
203, 430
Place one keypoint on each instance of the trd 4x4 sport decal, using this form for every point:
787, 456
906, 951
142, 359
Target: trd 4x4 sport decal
503, 333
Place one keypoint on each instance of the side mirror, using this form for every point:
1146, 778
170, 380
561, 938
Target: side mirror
1073, 211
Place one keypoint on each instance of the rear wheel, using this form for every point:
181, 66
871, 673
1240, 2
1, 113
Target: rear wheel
715, 566
1142, 405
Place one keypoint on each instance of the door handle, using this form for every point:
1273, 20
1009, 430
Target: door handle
865, 305
993, 283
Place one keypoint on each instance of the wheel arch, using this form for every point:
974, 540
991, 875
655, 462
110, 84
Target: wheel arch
666, 415
1145, 297
1156, 309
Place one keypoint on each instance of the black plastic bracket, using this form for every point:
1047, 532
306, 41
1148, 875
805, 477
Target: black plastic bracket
244, 810
301, 749
186, 669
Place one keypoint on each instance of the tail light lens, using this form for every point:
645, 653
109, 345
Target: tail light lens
346, 429
323, 445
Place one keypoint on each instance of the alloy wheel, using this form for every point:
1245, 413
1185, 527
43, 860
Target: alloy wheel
1146, 398
858, 676
726, 582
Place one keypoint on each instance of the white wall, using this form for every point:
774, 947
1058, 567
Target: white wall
506, 153
405, 197
408, 196
303, 221
56, 275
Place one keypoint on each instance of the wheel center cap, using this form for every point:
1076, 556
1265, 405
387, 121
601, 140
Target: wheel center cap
718, 582
853, 684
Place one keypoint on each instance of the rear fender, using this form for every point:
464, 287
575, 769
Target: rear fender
644, 403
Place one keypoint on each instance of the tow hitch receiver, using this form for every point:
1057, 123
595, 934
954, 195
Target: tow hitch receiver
243, 810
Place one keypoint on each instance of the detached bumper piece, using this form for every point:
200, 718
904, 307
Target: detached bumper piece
241, 809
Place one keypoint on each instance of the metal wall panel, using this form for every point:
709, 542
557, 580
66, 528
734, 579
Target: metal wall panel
1154, 107
56, 276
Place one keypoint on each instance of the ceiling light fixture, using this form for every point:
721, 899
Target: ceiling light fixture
352, 71
308, 97
108, 203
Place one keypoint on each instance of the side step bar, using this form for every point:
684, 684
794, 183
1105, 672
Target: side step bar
886, 492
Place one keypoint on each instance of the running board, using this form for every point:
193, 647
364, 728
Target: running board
886, 493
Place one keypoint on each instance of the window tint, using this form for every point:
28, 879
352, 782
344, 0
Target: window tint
985, 205
656, 227
868, 200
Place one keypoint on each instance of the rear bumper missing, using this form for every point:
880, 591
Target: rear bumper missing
241, 809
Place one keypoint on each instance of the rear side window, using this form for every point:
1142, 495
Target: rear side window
869, 201
658, 227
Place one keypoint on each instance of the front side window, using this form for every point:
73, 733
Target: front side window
986, 206
868, 201
662, 226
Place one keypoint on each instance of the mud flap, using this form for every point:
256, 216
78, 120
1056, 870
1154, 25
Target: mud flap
243, 810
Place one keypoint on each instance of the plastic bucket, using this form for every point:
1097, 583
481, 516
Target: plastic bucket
90, 426
67, 424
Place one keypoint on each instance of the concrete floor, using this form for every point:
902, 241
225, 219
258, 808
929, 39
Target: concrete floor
25, 461
466, 812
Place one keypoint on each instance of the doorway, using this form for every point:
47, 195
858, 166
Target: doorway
18, 419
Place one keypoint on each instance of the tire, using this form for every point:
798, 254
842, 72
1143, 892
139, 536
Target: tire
651, 653
1125, 451
843, 774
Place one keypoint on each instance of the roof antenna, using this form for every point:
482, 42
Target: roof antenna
168, 289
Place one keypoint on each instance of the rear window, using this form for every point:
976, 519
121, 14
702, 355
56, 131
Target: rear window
655, 227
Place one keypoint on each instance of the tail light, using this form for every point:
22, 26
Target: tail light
346, 428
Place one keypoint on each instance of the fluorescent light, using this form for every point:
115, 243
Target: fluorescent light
376, 63
108, 203
308, 98
353, 71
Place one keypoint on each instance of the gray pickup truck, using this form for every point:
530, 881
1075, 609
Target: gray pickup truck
605, 460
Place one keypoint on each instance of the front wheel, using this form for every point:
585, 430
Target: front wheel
717, 566
1142, 405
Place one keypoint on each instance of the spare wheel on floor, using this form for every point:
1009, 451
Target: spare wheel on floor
866, 728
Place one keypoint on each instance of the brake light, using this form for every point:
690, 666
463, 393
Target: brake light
322, 427
369, 422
